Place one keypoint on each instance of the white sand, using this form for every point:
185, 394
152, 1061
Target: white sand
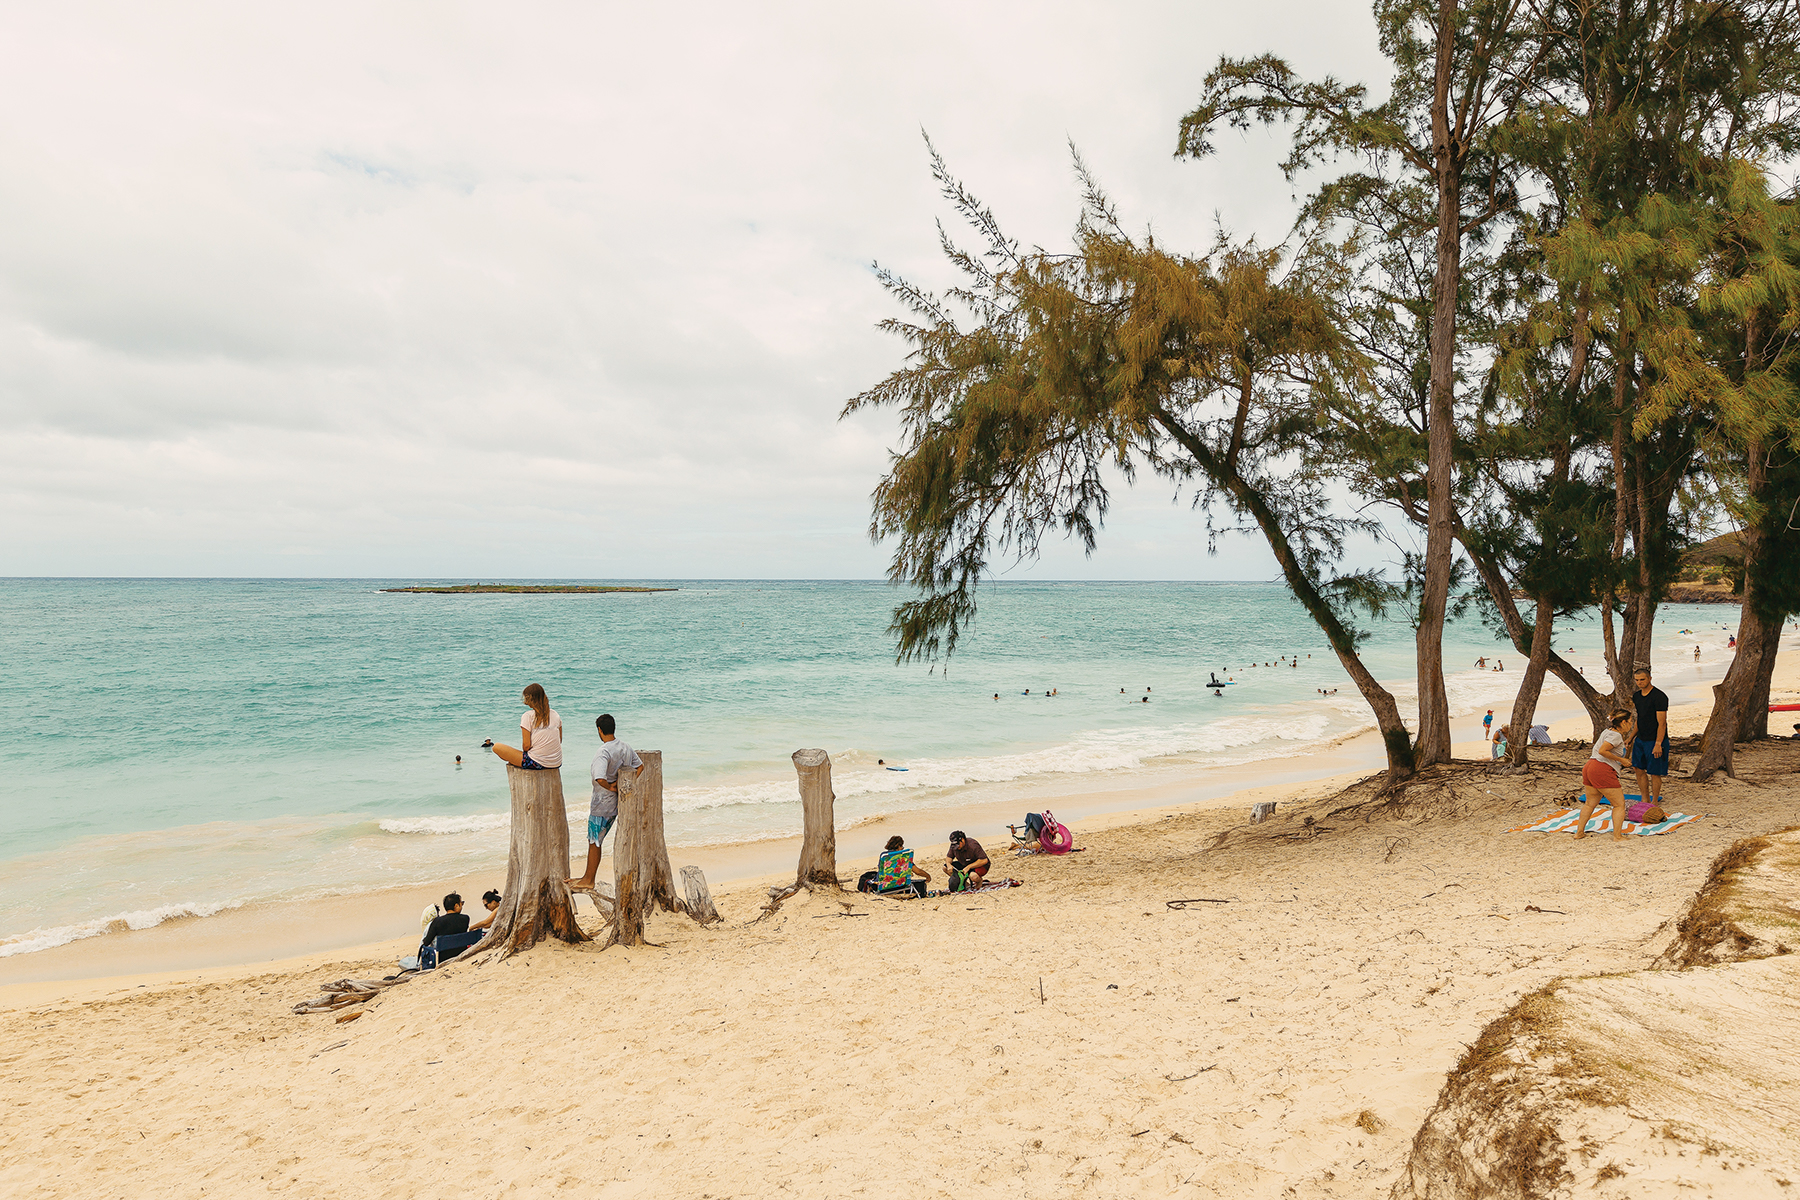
1287, 1043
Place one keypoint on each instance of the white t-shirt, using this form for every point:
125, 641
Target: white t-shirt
613, 755
1612, 738
546, 743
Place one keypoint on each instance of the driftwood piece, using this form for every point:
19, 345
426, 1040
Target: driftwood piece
1262, 812
698, 898
818, 845
343, 993
601, 895
538, 904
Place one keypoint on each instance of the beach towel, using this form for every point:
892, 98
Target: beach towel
1563, 821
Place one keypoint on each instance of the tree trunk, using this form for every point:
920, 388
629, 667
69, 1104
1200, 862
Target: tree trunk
699, 899
1518, 746
1741, 700
641, 874
818, 846
537, 904
1756, 708
1432, 745
1591, 698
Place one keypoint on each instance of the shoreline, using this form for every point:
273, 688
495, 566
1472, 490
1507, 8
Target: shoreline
257, 934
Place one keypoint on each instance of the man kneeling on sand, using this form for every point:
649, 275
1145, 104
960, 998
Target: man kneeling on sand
603, 809
967, 863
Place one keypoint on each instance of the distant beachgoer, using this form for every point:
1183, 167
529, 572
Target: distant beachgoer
1482, 661
1540, 735
540, 735
967, 863
459, 760
881, 762
1600, 778
1487, 727
490, 900
997, 694
1218, 691
895, 870
1500, 664
453, 921
488, 744
1650, 748
1696, 654
1795, 737
603, 806
1731, 642
1499, 748
1146, 699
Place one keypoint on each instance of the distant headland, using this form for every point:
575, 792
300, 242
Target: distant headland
526, 589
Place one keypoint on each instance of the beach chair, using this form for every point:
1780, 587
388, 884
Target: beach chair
893, 873
447, 946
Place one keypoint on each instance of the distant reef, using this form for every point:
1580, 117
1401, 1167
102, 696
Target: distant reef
521, 589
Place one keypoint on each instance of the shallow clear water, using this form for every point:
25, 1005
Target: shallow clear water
182, 746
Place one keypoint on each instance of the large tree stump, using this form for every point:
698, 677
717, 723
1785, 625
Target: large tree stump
818, 846
641, 873
537, 904
697, 896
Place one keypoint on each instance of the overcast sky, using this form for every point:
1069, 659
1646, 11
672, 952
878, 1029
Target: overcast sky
451, 290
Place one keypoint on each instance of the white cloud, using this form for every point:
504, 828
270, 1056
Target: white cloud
543, 290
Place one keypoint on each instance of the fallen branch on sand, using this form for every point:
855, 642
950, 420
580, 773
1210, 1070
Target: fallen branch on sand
776, 896
345, 992
1180, 904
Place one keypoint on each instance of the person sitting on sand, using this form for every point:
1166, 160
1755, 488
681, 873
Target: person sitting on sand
967, 863
895, 871
490, 900
603, 808
540, 734
1796, 734
454, 920
1599, 777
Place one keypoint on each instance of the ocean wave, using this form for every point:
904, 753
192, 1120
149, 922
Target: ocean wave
149, 918
478, 823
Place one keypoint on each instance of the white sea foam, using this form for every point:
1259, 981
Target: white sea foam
477, 823
149, 918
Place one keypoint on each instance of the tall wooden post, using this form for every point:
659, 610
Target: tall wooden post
818, 845
537, 904
641, 872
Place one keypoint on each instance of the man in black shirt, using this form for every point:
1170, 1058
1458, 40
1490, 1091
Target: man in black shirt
454, 920
967, 863
1650, 745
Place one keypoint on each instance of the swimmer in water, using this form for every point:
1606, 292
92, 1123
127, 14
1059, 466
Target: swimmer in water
459, 760
1218, 691
488, 745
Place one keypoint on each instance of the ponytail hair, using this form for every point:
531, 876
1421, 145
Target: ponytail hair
540, 704
1619, 717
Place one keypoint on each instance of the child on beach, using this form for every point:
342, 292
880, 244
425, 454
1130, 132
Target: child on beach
603, 809
540, 734
1599, 777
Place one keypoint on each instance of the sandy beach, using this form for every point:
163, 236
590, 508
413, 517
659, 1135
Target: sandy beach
1285, 1033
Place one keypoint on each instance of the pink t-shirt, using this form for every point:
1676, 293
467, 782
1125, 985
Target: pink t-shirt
546, 743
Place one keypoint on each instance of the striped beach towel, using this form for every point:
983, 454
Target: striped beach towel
1563, 821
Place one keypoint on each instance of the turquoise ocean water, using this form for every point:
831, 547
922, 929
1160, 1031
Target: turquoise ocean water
182, 747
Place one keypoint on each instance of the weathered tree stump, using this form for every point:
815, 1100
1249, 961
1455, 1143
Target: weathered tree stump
1262, 812
641, 873
537, 903
818, 845
699, 899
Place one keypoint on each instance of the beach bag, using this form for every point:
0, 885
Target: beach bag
427, 958
1645, 813
866, 883
1034, 823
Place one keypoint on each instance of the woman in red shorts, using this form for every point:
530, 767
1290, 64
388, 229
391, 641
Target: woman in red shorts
1599, 776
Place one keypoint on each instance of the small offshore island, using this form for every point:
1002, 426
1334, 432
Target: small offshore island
532, 589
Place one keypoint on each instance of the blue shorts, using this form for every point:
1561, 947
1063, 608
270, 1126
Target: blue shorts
528, 764
597, 827
1643, 760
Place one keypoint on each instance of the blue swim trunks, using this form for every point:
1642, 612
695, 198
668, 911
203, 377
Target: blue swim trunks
1643, 760
529, 765
597, 827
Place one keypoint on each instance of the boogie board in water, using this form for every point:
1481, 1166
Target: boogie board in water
899, 768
